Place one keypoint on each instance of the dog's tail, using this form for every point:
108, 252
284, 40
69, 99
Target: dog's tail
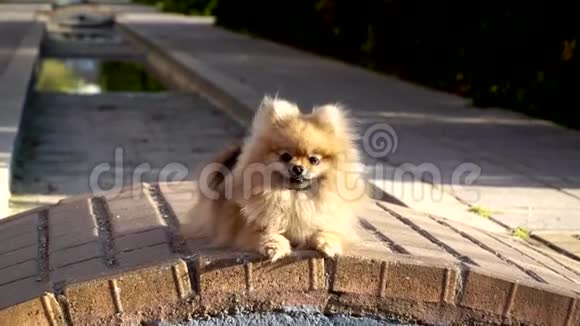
213, 173
209, 178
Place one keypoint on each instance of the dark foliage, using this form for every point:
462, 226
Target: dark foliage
514, 54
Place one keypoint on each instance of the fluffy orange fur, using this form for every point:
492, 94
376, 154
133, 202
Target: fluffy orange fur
247, 202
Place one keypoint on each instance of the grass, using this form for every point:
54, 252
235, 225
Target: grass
481, 211
521, 232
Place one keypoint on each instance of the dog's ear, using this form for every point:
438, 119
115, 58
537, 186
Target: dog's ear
272, 111
332, 116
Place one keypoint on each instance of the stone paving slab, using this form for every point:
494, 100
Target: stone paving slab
566, 242
19, 47
134, 267
519, 187
15, 31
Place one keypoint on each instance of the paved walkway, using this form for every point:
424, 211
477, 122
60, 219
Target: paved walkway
526, 170
19, 45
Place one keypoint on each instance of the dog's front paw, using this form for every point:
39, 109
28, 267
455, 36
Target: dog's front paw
275, 246
328, 243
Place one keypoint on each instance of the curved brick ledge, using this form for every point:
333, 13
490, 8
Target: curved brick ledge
118, 259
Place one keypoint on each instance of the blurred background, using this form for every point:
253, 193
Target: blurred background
519, 55
466, 110
475, 101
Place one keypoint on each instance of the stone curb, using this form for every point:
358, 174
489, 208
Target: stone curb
17, 79
144, 272
175, 68
421, 289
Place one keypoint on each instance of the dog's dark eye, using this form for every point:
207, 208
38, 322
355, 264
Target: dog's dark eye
286, 157
314, 160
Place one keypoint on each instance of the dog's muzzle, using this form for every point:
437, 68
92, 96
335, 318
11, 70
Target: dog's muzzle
299, 183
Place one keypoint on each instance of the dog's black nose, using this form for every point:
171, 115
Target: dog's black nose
297, 170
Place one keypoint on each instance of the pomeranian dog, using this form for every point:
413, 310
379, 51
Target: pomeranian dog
293, 183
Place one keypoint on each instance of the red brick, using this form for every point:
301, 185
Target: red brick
89, 301
19, 271
132, 212
73, 218
21, 291
506, 248
27, 313
226, 274
71, 240
355, 275
76, 254
40, 311
401, 234
288, 274
79, 271
134, 241
154, 287
21, 241
180, 195
371, 277
540, 306
485, 293
556, 263
18, 256
142, 256
574, 316
15, 227
419, 283
457, 242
